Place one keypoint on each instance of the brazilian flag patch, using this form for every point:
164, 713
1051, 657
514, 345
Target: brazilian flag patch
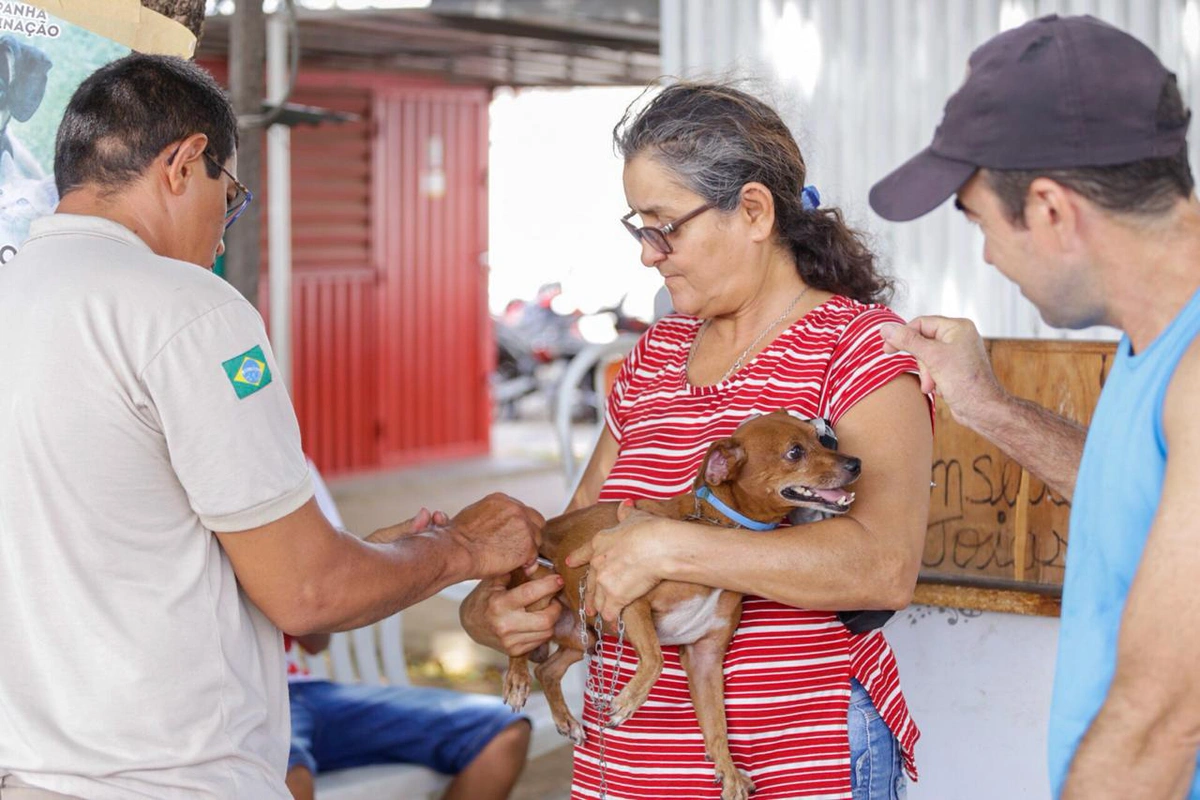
248, 372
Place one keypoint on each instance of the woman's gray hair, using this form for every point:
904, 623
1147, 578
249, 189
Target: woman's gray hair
715, 139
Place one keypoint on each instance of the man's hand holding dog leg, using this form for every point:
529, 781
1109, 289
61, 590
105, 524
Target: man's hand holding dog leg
954, 363
496, 616
493, 532
499, 533
308, 577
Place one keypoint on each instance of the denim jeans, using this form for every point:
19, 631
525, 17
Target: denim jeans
876, 764
340, 725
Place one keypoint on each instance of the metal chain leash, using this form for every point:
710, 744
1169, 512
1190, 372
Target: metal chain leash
602, 696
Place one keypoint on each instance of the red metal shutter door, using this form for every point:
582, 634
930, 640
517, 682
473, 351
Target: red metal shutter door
334, 283
432, 207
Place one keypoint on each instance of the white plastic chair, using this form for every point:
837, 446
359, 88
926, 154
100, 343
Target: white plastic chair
594, 355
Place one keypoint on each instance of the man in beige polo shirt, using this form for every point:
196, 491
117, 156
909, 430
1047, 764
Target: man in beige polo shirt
157, 525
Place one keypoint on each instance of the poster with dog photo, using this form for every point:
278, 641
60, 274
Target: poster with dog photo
43, 59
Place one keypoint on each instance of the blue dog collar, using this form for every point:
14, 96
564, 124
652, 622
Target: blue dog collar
705, 494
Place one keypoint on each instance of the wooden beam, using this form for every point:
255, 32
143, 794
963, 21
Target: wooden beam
428, 44
1021, 527
1008, 601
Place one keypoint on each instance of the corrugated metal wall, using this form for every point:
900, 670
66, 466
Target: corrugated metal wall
391, 346
390, 293
863, 82
431, 215
335, 297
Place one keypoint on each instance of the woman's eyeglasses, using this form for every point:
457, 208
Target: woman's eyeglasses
656, 237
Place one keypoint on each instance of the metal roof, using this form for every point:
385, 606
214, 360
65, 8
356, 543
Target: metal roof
518, 44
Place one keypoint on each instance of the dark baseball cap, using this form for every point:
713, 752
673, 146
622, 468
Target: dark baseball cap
1055, 93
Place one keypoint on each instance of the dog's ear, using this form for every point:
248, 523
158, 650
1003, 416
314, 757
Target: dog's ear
723, 461
8, 168
27, 76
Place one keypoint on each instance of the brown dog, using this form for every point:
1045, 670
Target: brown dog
771, 465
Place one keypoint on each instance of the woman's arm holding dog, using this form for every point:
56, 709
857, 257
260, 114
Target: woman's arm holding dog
866, 559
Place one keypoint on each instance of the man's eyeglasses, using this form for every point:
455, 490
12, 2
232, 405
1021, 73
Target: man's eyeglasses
242, 195
657, 237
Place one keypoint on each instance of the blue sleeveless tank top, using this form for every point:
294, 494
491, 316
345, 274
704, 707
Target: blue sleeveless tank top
1116, 497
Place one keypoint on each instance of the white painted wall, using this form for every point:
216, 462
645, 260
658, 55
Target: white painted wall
862, 84
978, 684
556, 199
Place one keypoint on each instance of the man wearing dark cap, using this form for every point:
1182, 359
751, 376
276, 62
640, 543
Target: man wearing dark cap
1066, 144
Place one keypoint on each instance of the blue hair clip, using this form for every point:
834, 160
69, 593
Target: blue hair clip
810, 198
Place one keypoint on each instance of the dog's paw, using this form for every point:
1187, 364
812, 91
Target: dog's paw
516, 688
735, 784
572, 729
626, 705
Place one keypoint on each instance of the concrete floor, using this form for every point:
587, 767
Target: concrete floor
546, 778
524, 464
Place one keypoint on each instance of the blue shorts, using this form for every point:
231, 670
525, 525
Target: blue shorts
876, 763
337, 725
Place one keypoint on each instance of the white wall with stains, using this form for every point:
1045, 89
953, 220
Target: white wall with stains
978, 685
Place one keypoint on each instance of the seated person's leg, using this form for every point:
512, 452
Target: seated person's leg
494, 772
301, 764
444, 730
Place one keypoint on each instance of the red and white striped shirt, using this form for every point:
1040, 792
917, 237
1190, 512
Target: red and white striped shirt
788, 670
296, 670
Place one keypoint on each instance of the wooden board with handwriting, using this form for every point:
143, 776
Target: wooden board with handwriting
992, 525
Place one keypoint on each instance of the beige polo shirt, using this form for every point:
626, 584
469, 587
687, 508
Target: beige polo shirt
139, 412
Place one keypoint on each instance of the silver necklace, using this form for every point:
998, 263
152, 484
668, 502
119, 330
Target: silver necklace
737, 364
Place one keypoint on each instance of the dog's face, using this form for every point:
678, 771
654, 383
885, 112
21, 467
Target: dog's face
776, 462
23, 74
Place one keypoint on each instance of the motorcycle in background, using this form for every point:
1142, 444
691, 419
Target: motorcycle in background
534, 343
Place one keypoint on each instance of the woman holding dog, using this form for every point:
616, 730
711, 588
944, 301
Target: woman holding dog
777, 307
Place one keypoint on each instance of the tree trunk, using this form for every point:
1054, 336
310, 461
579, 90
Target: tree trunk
188, 13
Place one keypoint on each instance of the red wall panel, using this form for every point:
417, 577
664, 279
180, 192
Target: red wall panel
335, 377
390, 341
431, 151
